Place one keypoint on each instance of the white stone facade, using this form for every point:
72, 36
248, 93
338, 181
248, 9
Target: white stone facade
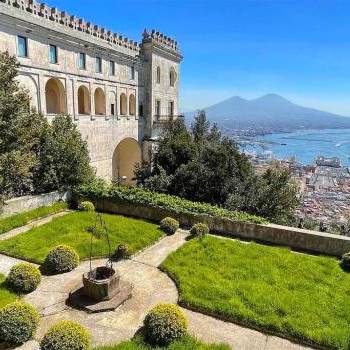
119, 93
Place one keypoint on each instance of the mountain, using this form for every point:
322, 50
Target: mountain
271, 112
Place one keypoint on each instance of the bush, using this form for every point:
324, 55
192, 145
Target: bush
18, 323
61, 259
345, 261
66, 335
23, 278
136, 195
169, 225
86, 206
199, 230
164, 324
122, 252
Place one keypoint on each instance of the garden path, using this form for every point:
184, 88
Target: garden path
32, 224
151, 286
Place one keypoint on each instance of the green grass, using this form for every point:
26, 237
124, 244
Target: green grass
6, 296
18, 220
187, 343
71, 230
300, 296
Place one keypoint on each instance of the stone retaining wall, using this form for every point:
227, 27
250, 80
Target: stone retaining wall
26, 203
305, 240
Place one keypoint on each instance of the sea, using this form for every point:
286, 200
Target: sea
305, 145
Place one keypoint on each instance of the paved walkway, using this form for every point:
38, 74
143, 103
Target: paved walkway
151, 286
31, 225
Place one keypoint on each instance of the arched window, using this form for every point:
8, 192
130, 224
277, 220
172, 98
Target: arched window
158, 75
83, 100
172, 77
55, 97
123, 104
132, 104
100, 102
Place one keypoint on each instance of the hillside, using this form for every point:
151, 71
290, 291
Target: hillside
270, 112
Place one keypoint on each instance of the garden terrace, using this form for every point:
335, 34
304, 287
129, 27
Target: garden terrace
21, 219
73, 229
298, 296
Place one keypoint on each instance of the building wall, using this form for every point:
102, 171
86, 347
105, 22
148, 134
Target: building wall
133, 83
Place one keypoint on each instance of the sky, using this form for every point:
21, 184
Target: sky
299, 49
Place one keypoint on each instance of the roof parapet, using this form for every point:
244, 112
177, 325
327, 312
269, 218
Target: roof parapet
62, 17
160, 38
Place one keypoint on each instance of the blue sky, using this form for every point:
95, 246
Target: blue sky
296, 48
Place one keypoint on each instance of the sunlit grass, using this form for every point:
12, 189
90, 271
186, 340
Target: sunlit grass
71, 230
305, 297
187, 343
6, 296
18, 220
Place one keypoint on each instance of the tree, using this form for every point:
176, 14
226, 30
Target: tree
20, 132
35, 156
201, 164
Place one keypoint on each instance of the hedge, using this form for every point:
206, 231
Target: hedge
100, 190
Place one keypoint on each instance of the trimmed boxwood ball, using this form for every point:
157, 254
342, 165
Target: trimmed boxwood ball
86, 206
122, 252
164, 324
169, 225
61, 259
66, 335
199, 230
18, 323
23, 278
345, 261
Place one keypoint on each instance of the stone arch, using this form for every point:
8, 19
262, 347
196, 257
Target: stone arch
123, 104
132, 104
158, 75
29, 83
84, 105
126, 155
55, 97
100, 102
172, 76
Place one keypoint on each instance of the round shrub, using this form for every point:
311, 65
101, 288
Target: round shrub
66, 335
122, 252
18, 323
23, 278
345, 261
86, 206
199, 230
61, 259
169, 225
164, 324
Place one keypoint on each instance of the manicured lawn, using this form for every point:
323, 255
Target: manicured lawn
6, 296
301, 296
187, 343
71, 230
17, 220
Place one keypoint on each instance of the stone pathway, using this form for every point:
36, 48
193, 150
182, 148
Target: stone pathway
31, 225
151, 286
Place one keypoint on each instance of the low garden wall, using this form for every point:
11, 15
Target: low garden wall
299, 239
25, 203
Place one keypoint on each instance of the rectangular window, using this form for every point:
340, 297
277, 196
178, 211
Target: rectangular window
157, 108
98, 67
171, 108
53, 54
112, 109
111, 68
82, 60
132, 73
22, 46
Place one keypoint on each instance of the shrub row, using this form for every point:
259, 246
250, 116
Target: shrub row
136, 195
